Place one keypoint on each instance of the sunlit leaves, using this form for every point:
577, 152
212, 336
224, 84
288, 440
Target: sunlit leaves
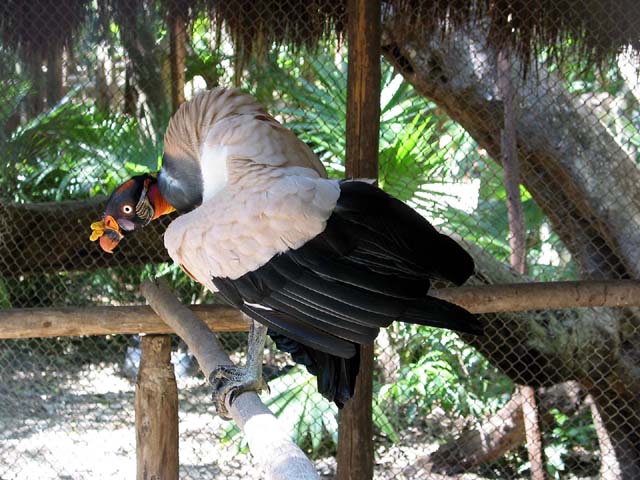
75, 150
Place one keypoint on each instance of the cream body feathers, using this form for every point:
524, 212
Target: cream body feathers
264, 191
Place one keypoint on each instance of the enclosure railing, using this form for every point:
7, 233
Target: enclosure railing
157, 449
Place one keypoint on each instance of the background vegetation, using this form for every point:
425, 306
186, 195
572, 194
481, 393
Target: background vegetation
107, 125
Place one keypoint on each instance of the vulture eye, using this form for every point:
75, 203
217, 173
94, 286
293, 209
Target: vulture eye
127, 209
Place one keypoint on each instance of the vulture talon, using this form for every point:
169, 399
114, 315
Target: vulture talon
229, 382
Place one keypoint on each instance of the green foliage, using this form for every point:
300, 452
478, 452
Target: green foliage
205, 57
71, 150
313, 418
309, 96
440, 370
568, 433
5, 299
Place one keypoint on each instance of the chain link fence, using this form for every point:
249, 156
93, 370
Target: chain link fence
85, 99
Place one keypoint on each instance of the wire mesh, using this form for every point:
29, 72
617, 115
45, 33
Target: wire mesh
85, 100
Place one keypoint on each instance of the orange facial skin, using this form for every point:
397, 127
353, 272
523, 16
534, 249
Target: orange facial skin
131, 206
112, 234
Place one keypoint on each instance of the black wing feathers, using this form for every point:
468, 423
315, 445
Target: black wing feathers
299, 327
301, 331
370, 266
336, 376
397, 228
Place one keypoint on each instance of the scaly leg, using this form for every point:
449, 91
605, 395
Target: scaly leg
229, 381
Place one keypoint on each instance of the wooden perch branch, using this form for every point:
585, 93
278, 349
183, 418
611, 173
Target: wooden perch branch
279, 457
517, 297
70, 322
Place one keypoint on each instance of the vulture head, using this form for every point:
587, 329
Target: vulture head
131, 206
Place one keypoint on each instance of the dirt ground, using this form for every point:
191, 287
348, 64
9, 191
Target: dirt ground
81, 426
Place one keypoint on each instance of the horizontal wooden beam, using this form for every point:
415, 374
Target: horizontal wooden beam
72, 322
517, 297
69, 322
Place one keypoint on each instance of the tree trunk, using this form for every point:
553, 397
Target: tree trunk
130, 94
136, 22
518, 244
35, 98
54, 76
102, 93
594, 206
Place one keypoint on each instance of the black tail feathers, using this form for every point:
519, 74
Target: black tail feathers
440, 313
336, 376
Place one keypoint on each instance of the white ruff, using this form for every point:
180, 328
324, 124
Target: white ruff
264, 191
246, 225
213, 164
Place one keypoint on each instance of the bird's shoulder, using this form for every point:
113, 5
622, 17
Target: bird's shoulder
260, 138
247, 224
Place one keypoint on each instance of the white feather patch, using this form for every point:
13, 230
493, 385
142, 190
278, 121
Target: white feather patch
264, 191
242, 229
213, 164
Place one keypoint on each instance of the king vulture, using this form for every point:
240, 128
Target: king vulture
319, 264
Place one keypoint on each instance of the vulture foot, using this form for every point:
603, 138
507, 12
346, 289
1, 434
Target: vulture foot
229, 381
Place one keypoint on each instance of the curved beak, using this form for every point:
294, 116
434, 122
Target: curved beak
112, 234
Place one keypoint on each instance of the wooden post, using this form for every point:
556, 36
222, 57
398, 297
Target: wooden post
156, 407
156, 390
355, 432
177, 54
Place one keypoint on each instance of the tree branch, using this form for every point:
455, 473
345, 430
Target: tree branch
498, 433
279, 457
518, 297
561, 143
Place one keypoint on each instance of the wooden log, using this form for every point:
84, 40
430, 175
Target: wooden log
71, 322
272, 447
518, 297
156, 408
355, 422
74, 321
